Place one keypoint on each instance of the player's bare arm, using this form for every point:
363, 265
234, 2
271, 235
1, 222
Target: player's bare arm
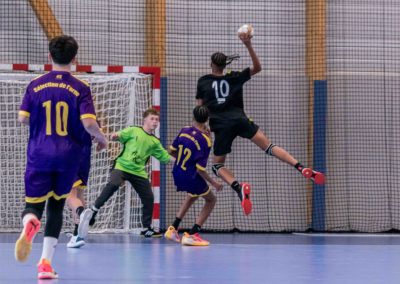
93, 129
246, 39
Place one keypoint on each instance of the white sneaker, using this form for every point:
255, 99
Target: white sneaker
84, 220
76, 242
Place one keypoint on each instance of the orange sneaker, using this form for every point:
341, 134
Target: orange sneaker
23, 246
172, 235
193, 240
45, 271
316, 177
246, 202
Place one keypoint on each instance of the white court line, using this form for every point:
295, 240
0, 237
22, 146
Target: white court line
361, 235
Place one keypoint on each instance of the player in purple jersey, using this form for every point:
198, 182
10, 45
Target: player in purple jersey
55, 106
223, 95
191, 148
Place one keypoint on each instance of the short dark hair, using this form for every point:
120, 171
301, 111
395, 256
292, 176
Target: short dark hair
201, 114
63, 49
150, 111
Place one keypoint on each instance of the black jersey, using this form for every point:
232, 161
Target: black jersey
223, 95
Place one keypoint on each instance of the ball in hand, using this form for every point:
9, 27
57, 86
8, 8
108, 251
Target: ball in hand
246, 29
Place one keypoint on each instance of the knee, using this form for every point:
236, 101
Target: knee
211, 199
216, 167
34, 208
55, 207
54, 217
269, 150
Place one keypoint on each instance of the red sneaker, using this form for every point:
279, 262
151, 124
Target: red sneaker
246, 203
316, 177
23, 246
45, 271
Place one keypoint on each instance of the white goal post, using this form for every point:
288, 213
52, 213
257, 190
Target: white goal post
121, 94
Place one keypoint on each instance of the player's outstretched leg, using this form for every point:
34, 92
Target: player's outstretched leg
271, 149
88, 216
23, 246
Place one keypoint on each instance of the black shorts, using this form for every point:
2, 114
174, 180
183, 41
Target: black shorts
226, 131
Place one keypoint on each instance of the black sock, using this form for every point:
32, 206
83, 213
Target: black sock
79, 210
237, 188
299, 166
76, 230
196, 228
93, 219
176, 223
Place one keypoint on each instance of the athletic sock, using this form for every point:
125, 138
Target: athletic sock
299, 166
176, 223
93, 219
49, 246
76, 229
237, 188
79, 210
196, 229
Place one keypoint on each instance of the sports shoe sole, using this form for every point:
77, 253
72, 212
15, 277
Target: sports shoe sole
76, 245
84, 220
152, 236
23, 246
246, 202
317, 177
47, 275
194, 244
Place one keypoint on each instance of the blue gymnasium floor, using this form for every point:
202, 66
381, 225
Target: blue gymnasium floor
231, 258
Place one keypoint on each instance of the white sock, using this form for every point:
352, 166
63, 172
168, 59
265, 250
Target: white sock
49, 246
27, 218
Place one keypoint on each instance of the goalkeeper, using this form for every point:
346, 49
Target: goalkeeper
139, 144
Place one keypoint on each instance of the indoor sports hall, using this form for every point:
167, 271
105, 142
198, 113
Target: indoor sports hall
328, 93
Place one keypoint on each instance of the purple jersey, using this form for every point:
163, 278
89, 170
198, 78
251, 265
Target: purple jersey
55, 104
193, 147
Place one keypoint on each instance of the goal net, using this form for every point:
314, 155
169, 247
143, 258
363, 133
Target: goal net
120, 100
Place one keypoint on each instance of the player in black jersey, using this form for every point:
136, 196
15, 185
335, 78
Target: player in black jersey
223, 95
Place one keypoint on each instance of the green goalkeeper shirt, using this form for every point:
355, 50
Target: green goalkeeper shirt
138, 147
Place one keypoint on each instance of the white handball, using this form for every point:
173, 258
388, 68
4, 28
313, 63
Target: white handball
246, 29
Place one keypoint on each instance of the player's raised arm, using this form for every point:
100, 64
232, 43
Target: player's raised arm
246, 39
